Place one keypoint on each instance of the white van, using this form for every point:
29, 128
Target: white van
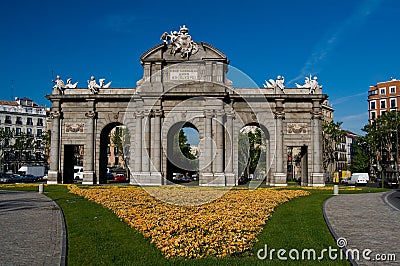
78, 172
358, 179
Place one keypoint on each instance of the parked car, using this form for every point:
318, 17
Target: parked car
5, 178
110, 176
17, 178
389, 182
177, 177
29, 178
120, 178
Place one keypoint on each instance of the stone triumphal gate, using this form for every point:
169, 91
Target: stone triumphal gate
185, 84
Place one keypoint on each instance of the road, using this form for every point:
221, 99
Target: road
394, 198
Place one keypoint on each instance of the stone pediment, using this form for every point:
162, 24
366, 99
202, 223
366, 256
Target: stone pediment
180, 60
164, 53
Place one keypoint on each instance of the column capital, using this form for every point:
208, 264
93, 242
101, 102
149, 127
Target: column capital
279, 115
231, 114
219, 113
90, 114
138, 114
316, 115
209, 113
158, 112
55, 114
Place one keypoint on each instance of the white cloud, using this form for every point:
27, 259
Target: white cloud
347, 98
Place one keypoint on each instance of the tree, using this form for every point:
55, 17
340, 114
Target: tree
22, 148
24, 145
181, 157
121, 140
184, 145
361, 160
252, 156
331, 135
382, 136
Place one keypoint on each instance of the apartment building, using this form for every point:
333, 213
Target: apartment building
22, 117
383, 97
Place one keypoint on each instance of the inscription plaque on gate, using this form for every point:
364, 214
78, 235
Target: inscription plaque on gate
183, 74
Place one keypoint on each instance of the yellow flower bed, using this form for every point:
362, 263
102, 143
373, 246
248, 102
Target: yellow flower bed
18, 185
227, 226
331, 188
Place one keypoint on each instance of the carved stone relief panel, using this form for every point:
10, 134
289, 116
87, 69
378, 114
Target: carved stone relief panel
297, 128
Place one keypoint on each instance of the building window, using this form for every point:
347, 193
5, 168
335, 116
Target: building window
382, 91
40, 122
383, 112
392, 89
8, 119
373, 115
29, 131
39, 132
7, 129
19, 120
29, 121
6, 143
393, 103
18, 131
372, 105
38, 144
374, 92
383, 103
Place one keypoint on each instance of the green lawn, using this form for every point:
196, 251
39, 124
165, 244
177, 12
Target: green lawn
97, 237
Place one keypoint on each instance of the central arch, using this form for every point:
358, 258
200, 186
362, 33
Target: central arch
179, 166
254, 153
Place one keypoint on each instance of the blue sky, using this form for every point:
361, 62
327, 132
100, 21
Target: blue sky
349, 45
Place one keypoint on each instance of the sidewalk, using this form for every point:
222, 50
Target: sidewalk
366, 221
32, 230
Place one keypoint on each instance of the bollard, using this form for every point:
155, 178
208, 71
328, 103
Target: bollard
335, 190
41, 188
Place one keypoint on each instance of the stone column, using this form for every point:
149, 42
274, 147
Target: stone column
157, 140
279, 178
317, 175
219, 139
146, 137
54, 171
229, 145
206, 156
88, 174
137, 151
218, 163
156, 177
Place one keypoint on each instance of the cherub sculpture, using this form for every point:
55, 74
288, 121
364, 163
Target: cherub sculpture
311, 84
60, 86
94, 87
70, 84
279, 83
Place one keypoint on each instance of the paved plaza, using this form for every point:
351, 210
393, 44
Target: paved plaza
32, 230
366, 221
